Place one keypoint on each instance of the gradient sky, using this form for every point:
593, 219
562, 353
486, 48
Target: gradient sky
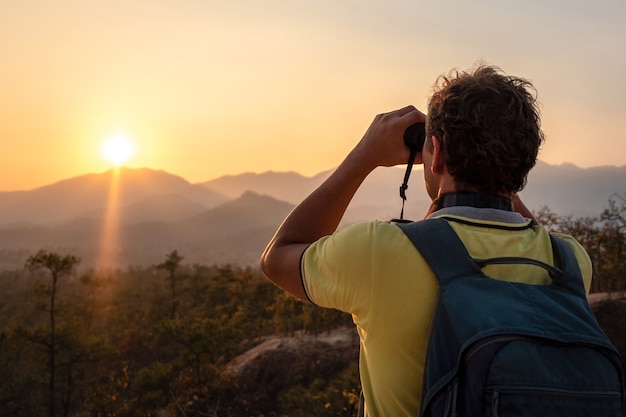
205, 88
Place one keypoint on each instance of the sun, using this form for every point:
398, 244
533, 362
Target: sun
117, 149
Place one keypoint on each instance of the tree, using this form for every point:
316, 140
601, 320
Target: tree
58, 266
613, 239
615, 214
604, 239
171, 265
547, 218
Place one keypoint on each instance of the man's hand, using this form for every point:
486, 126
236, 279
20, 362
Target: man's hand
383, 142
320, 213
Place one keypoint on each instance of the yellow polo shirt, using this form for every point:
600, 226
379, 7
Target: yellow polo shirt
372, 271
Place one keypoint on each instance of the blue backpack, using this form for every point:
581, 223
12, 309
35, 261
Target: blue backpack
511, 349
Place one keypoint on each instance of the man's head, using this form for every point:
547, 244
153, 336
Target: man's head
488, 127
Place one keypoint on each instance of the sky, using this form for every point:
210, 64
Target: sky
205, 88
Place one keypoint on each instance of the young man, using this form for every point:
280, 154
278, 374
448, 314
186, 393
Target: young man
482, 138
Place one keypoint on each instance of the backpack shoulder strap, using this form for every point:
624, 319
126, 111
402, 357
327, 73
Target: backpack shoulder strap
437, 242
571, 279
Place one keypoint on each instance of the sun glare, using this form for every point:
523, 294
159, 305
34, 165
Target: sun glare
117, 149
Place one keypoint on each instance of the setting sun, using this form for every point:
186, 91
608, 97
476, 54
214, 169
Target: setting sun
117, 149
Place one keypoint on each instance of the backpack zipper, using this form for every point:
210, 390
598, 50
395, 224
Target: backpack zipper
495, 401
451, 399
455, 391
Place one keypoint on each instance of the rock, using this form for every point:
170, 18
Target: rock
287, 360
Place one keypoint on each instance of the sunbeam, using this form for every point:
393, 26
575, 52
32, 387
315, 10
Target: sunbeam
109, 249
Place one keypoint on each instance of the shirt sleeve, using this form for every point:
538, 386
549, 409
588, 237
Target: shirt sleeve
337, 269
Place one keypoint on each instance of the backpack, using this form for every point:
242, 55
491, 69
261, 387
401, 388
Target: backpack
501, 348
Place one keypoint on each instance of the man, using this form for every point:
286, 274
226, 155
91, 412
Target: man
482, 138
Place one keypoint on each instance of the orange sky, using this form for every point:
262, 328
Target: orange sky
206, 88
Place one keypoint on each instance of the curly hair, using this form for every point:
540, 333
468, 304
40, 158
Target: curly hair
489, 126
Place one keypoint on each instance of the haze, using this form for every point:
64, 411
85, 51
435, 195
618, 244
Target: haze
208, 88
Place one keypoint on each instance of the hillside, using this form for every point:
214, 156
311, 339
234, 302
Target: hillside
566, 189
90, 196
378, 197
287, 186
233, 232
570, 190
231, 218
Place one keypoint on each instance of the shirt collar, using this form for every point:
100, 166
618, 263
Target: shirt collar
482, 214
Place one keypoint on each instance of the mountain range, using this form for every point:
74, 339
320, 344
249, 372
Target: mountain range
231, 218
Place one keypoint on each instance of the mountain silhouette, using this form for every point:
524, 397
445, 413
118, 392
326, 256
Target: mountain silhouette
287, 186
233, 232
566, 189
230, 219
155, 207
570, 190
378, 197
90, 196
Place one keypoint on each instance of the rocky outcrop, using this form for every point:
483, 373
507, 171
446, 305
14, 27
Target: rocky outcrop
280, 361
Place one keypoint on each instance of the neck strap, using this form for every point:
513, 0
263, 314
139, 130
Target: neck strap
405, 183
473, 200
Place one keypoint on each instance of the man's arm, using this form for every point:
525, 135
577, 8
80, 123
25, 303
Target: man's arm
320, 213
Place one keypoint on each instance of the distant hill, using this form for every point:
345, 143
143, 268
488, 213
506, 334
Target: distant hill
566, 189
378, 197
569, 190
90, 196
234, 232
231, 219
287, 186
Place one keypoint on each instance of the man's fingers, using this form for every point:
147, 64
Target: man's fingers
399, 112
405, 110
409, 115
412, 115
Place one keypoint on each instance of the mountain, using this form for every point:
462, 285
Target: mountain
287, 186
233, 232
231, 219
378, 197
155, 207
566, 189
92, 195
569, 190
236, 231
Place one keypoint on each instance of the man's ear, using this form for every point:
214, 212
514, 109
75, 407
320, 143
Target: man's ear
438, 164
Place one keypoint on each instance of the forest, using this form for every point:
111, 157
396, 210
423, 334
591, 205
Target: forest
160, 340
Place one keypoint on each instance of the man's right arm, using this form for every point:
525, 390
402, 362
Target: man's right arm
320, 213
